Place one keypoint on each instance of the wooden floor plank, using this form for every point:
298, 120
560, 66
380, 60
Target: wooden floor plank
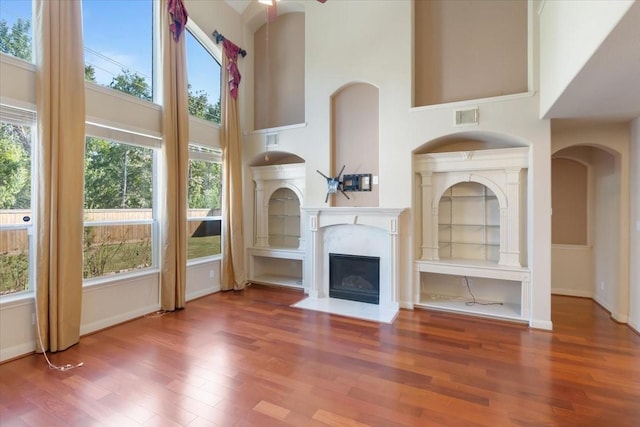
249, 359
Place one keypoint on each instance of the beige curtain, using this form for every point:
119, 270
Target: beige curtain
233, 274
60, 178
175, 163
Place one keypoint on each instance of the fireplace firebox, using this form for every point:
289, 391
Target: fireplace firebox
354, 277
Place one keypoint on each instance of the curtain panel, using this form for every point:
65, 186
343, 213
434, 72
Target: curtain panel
60, 158
233, 268
175, 163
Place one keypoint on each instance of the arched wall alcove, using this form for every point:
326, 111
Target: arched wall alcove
355, 139
277, 253
471, 225
279, 194
466, 155
594, 266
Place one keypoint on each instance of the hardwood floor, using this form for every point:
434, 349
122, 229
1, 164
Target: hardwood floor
248, 359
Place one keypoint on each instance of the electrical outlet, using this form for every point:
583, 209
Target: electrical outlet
212, 274
602, 286
33, 318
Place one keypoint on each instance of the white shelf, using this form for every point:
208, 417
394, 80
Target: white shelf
459, 305
275, 279
283, 267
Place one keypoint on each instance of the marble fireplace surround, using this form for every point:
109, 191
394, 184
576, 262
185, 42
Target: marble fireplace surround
364, 231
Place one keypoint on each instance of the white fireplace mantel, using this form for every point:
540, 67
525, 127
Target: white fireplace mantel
367, 231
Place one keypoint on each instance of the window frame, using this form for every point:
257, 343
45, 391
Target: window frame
16, 113
121, 136
205, 154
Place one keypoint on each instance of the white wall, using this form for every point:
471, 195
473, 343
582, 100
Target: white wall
371, 41
570, 33
634, 265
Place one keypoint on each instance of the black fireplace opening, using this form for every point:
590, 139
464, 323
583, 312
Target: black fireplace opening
354, 277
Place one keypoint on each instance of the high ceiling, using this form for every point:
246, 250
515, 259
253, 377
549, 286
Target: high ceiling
607, 87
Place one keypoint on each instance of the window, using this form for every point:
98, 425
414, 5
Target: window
203, 75
16, 30
120, 226
205, 201
16, 237
118, 45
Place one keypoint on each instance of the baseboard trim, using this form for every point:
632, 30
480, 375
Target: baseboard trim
114, 320
572, 292
16, 351
202, 293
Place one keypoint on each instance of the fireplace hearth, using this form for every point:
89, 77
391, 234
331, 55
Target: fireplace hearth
354, 277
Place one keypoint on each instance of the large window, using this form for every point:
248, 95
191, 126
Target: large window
118, 45
205, 190
203, 75
16, 28
15, 201
119, 219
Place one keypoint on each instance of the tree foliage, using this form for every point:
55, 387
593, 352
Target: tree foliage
16, 41
133, 84
205, 185
117, 175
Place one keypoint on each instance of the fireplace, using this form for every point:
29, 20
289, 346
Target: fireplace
354, 277
369, 232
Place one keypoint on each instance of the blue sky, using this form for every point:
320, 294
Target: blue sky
117, 35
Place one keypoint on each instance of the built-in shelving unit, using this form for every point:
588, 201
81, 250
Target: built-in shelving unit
469, 223
473, 248
284, 219
277, 256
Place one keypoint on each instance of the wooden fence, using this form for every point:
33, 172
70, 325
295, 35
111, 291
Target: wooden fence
12, 241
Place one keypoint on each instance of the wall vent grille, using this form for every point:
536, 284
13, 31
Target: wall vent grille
466, 117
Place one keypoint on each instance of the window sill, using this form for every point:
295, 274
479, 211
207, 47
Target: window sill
17, 299
117, 278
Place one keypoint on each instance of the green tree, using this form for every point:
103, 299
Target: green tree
205, 185
117, 175
133, 84
90, 73
199, 106
16, 41
14, 180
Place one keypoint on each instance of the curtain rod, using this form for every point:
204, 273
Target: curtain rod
219, 37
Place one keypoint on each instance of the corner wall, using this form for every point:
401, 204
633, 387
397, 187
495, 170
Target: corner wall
634, 246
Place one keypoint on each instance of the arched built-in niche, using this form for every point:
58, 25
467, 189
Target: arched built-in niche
469, 222
277, 255
471, 212
355, 140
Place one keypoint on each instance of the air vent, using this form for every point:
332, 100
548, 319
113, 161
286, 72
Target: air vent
466, 117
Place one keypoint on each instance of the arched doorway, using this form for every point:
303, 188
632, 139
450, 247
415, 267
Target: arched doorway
589, 255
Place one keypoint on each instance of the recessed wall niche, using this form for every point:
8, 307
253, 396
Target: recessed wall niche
472, 216
355, 125
278, 92
469, 50
277, 256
